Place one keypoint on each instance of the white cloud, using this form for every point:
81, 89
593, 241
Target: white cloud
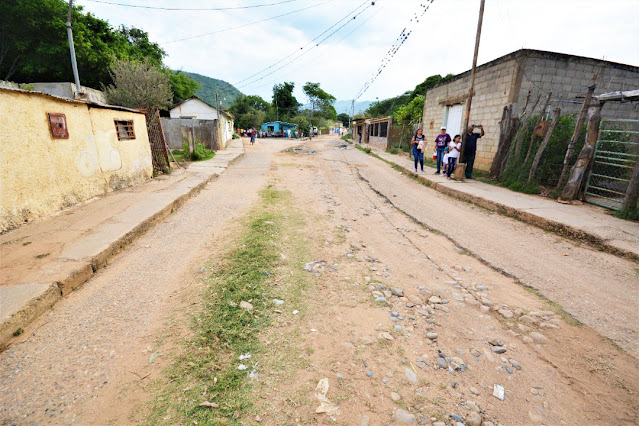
442, 42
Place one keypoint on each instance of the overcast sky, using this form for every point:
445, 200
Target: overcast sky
441, 42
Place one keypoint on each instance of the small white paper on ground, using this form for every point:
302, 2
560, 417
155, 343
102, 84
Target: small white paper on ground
325, 406
498, 392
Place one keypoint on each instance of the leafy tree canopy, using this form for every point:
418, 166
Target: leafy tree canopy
182, 86
284, 102
138, 84
391, 106
344, 118
34, 46
249, 111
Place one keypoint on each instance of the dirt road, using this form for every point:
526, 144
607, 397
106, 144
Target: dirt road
406, 325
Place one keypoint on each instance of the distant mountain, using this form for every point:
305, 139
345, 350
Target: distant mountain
227, 91
345, 106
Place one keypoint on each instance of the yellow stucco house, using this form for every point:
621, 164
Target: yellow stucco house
57, 152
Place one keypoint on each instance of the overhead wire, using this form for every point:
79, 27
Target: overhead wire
308, 50
397, 44
248, 23
341, 39
190, 9
301, 48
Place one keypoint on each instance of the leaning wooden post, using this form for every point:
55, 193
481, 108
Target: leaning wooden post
532, 137
632, 193
577, 131
544, 143
579, 169
459, 172
520, 135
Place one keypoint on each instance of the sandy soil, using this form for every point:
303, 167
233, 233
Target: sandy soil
569, 374
92, 359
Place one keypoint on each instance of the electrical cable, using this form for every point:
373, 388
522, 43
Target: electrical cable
190, 9
397, 44
341, 39
307, 51
248, 23
301, 48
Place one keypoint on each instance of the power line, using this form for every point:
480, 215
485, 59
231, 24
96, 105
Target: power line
301, 48
248, 23
308, 50
397, 44
341, 39
190, 9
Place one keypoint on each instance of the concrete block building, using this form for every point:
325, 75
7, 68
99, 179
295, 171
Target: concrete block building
509, 79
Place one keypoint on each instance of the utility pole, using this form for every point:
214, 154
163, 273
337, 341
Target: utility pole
219, 117
74, 63
350, 121
472, 81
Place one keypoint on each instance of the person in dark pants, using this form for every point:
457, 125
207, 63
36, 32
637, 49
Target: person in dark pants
418, 147
470, 148
453, 155
441, 141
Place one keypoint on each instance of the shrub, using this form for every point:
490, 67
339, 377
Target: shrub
515, 177
200, 152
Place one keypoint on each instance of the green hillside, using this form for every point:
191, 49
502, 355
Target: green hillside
227, 91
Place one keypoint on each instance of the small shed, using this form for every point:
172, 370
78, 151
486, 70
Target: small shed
278, 128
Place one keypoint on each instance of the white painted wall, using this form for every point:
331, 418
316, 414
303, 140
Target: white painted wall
194, 108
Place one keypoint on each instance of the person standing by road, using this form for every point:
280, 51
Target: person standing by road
453, 155
419, 145
470, 148
441, 141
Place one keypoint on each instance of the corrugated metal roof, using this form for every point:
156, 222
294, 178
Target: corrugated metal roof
90, 104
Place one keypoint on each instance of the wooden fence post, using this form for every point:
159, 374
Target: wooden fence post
580, 168
544, 143
577, 131
532, 137
519, 137
632, 193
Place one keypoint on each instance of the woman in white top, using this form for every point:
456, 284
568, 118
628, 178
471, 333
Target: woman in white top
453, 154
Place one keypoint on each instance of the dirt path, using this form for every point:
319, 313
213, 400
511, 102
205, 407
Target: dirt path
373, 353
98, 357
75, 364
599, 289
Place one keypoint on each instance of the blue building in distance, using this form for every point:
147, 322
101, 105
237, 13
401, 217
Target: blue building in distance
279, 128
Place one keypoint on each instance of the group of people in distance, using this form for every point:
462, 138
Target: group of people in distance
447, 150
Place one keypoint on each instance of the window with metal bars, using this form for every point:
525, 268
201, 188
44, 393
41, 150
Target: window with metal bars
124, 128
383, 129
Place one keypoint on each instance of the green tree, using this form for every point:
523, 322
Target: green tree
34, 46
285, 104
138, 84
302, 122
249, 111
344, 118
320, 100
182, 86
409, 116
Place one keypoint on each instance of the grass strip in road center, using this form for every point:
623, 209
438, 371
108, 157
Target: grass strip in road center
209, 368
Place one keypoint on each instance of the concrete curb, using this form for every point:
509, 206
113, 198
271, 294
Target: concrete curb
75, 278
526, 217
